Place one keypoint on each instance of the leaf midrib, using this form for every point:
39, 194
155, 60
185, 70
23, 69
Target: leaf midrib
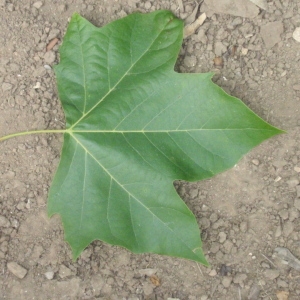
70, 131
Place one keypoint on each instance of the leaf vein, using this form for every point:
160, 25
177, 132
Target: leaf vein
83, 189
137, 106
108, 204
72, 161
83, 69
163, 110
166, 155
187, 154
135, 150
129, 193
215, 154
132, 222
122, 77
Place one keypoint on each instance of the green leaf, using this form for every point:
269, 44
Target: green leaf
134, 126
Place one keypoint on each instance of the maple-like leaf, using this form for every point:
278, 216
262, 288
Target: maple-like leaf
133, 126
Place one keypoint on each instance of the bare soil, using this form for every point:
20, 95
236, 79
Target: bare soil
244, 213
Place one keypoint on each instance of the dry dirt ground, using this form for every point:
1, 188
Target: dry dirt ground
244, 213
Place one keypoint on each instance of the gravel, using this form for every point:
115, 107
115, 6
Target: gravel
251, 208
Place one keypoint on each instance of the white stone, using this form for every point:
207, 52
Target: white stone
296, 34
222, 237
38, 4
49, 275
147, 272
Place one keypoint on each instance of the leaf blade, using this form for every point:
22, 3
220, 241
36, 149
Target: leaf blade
133, 127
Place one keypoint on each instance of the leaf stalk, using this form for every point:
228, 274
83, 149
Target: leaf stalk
9, 136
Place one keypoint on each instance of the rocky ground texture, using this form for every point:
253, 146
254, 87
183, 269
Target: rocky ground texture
249, 215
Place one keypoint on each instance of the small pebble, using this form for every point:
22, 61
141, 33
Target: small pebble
54, 33
194, 193
148, 272
297, 169
220, 48
271, 33
9, 175
49, 57
222, 237
278, 178
265, 265
16, 269
62, 8
215, 247
297, 203
284, 214
37, 85
64, 271
271, 274
4, 222
39, 72
282, 283
212, 273
296, 34
283, 73
38, 4
190, 61
15, 223
294, 214
298, 191
278, 231
227, 281
288, 228
254, 292
90, 7
10, 7
6, 86
148, 5
255, 162
243, 227
49, 275
237, 21
292, 182
148, 288
240, 278
244, 51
